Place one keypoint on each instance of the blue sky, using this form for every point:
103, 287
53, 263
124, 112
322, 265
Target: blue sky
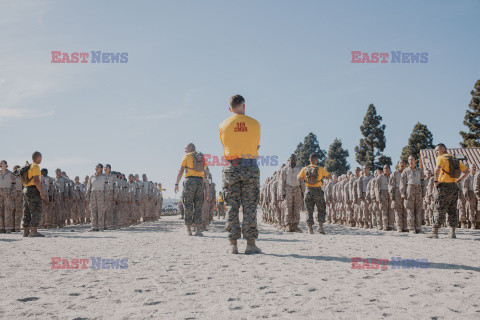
289, 59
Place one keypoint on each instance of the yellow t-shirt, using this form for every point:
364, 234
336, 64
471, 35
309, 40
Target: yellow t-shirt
240, 136
442, 161
187, 162
219, 199
32, 172
322, 173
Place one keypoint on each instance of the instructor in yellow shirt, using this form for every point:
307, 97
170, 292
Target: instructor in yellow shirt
447, 190
240, 137
32, 199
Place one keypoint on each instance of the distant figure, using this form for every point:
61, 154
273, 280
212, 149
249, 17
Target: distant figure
314, 196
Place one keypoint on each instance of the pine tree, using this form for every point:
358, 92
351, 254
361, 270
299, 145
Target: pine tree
472, 120
421, 138
336, 162
369, 151
309, 146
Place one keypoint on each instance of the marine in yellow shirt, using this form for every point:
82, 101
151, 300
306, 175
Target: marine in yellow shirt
313, 175
220, 206
194, 167
240, 137
32, 199
447, 192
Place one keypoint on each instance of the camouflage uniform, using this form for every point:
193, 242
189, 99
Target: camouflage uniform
461, 203
328, 190
350, 201
110, 205
411, 188
292, 190
314, 196
354, 191
362, 194
241, 187
470, 198
429, 202
383, 198
446, 202
18, 204
192, 198
32, 207
96, 196
397, 203
7, 190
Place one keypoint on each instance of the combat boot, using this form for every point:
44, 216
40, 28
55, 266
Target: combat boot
233, 248
35, 233
310, 229
26, 231
452, 234
434, 233
360, 224
189, 230
198, 231
320, 228
462, 225
296, 229
251, 247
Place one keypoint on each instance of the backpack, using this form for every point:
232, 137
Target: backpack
22, 173
312, 174
454, 167
198, 162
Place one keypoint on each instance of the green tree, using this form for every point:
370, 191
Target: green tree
370, 150
336, 161
472, 120
309, 146
421, 138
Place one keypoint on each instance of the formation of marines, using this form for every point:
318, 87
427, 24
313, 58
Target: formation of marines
402, 200
106, 200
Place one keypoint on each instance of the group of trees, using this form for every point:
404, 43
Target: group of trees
370, 149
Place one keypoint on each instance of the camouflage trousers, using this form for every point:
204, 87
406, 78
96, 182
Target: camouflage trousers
97, 209
18, 209
192, 199
292, 205
388, 216
32, 207
221, 209
241, 186
315, 197
6, 209
446, 204
349, 208
182, 210
400, 212
461, 209
110, 211
414, 206
364, 212
471, 206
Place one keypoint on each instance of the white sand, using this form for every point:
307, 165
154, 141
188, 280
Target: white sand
299, 276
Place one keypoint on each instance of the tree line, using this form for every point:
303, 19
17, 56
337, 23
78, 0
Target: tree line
370, 149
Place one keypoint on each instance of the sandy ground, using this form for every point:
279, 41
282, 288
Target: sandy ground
299, 276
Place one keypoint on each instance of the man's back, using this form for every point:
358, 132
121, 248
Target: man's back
240, 136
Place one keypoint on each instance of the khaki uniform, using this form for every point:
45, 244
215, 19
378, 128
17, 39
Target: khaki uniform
364, 214
96, 195
293, 191
411, 188
470, 198
398, 204
384, 202
7, 196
